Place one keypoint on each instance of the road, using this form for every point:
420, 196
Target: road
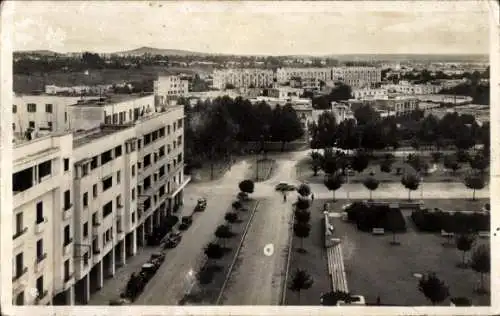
258, 279
168, 285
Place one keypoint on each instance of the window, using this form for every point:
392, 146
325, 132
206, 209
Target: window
14, 108
168, 149
133, 217
95, 221
13, 126
118, 151
132, 194
67, 200
93, 163
85, 199
94, 191
119, 201
31, 107
48, 108
138, 144
49, 124
106, 157
146, 183
133, 170
168, 130
67, 235
147, 160
66, 164
107, 183
39, 212
147, 139
20, 298
118, 176
19, 223
19, 265
179, 158
39, 286
39, 249
161, 132
174, 126
161, 151
107, 209
44, 169
66, 270
161, 171
85, 229
86, 259
179, 123
31, 124
65, 117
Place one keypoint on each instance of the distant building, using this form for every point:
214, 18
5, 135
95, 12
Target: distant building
243, 78
170, 87
408, 88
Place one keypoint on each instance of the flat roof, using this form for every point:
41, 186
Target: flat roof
87, 136
110, 99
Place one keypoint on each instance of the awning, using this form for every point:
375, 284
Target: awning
178, 188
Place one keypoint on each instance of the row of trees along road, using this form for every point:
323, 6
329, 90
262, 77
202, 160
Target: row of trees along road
371, 132
213, 128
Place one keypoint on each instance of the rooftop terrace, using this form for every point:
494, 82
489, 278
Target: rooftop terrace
110, 99
83, 137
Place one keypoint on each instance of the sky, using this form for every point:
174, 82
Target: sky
263, 28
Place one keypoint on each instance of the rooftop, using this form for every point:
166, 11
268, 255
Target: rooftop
111, 99
83, 137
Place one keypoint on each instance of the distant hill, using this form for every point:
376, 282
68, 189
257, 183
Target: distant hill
37, 52
158, 51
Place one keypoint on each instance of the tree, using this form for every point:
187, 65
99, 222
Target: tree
365, 114
334, 182
325, 130
433, 288
464, 243
223, 232
360, 162
301, 281
214, 251
231, 217
411, 182
302, 216
285, 125
246, 186
304, 190
316, 161
302, 231
436, 156
479, 162
451, 162
302, 204
475, 182
371, 183
480, 262
236, 205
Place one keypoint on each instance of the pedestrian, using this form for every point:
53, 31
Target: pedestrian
378, 300
284, 197
312, 197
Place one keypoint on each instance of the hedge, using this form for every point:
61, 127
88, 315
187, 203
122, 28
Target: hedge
435, 221
368, 217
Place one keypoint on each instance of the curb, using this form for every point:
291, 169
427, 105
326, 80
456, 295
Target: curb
236, 255
289, 256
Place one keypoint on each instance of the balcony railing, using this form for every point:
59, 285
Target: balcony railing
67, 214
20, 274
19, 233
41, 296
41, 258
40, 262
40, 225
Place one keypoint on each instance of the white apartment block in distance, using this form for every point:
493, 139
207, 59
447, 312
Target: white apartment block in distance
43, 270
357, 77
170, 87
105, 179
243, 78
284, 75
41, 113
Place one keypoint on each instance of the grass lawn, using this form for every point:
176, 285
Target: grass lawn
315, 261
375, 268
210, 279
266, 167
305, 173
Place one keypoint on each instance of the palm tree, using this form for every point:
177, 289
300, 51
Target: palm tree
433, 288
301, 281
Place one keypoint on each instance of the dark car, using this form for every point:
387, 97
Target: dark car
120, 301
173, 241
283, 186
201, 205
186, 222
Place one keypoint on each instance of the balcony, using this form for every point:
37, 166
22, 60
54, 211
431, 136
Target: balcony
95, 228
40, 226
68, 247
40, 263
18, 240
96, 255
67, 213
42, 298
178, 187
20, 279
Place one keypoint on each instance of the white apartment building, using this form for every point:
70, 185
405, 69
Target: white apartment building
170, 87
408, 88
357, 77
41, 113
111, 109
43, 270
243, 78
284, 75
93, 195
285, 92
105, 180
369, 93
77, 90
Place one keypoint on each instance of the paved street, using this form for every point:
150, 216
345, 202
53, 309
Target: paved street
167, 287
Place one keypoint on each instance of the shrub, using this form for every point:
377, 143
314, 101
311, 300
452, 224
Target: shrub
457, 223
246, 186
302, 204
231, 217
368, 216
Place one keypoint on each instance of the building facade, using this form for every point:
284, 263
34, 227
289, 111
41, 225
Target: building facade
357, 77
243, 78
170, 87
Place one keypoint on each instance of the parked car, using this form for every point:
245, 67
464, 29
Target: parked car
201, 205
172, 242
283, 186
242, 196
186, 222
120, 301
